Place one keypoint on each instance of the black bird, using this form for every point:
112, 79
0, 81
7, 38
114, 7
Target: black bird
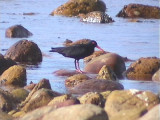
78, 51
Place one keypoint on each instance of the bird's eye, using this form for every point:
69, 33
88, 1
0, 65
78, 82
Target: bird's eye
93, 42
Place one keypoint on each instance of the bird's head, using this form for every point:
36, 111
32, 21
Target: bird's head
94, 43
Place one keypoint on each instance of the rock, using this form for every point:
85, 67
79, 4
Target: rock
44, 83
105, 94
76, 79
20, 94
156, 76
129, 104
22, 51
106, 73
75, 7
69, 102
5, 116
97, 17
17, 31
143, 68
153, 114
80, 112
65, 72
94, 85
30, 87
5, 63
81, 41
92, 98
139, 11
114, 61
60, 99
7, 102
94, 55
39, 98
15, 75
38, 114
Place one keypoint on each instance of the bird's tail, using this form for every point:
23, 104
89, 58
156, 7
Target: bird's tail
53, 50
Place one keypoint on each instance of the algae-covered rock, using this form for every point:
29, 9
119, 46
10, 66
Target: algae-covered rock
15, 75
143, 69
75, 7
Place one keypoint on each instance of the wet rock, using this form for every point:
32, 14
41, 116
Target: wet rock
24, 51
15, 75
65, 72
139, 11
75, 7
156, 76
80, 112
92, 98
17, 31
7, 102
81, 41
143, 69
153, 114
97, 17
20, 94
114, 61
5, 116
5, 63
129, 104
39, 98
106, 73
94, 85
76, 79
94, 55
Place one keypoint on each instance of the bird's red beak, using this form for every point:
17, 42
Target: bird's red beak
100, 48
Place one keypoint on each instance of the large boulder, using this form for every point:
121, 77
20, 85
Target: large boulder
96, 17
139, 11
78, 112
17, 31
5, 63
95, 85
76, 7
74, 112
24, 51
129, 104
114, 61
143, 68
15, 75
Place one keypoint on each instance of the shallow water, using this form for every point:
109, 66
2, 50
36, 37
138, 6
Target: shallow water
129, 39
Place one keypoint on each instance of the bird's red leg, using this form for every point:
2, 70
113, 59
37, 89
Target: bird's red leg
77, 66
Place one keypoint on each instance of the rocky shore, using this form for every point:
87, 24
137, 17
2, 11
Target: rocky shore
96, 94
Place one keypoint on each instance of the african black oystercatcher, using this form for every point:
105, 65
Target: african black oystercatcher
78, 51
